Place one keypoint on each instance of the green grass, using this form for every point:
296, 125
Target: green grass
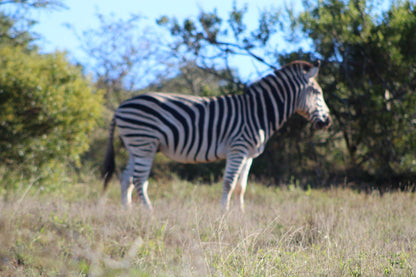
286, 231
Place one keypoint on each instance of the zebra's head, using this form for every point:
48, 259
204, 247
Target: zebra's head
311, 102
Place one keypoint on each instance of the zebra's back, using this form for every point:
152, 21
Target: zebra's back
187, 129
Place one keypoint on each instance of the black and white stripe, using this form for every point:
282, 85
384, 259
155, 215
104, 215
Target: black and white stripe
193, 129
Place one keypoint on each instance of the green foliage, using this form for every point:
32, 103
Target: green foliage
211, 41
10, 35
368, 75
16, 23
47, 109
193, 80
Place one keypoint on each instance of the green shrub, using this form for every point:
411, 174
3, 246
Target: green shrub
47, 109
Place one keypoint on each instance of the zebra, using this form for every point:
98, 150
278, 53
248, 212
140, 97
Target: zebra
193, 129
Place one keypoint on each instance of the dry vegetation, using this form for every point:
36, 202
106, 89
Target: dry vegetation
285, 232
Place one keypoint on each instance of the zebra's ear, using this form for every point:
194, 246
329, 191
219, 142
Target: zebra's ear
313, 72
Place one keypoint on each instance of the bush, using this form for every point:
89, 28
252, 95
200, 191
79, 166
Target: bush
47, 109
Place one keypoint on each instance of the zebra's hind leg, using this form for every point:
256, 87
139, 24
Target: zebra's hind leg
141, 171
126, 182
141, 183
242, 181
233, 167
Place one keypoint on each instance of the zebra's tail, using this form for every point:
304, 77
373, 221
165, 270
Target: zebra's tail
109, 163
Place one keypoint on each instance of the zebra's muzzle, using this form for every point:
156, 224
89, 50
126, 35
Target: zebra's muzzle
322, 124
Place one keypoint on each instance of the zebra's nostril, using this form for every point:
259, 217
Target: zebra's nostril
324, 123
320, 124
327, 121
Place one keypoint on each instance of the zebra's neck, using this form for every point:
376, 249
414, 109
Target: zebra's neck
272, 100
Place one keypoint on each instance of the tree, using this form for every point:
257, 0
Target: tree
210, 42
367, 75
368, 70
191, 80
123, 56
47, 109
15, 21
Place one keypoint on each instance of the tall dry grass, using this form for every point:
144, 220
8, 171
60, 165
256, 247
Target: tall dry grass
284, 232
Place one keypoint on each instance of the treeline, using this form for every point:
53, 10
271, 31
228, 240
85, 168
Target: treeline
53, 116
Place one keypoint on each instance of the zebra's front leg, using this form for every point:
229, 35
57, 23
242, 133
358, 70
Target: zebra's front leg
233, 168
242, 181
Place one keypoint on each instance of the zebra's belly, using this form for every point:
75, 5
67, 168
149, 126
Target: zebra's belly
193, 156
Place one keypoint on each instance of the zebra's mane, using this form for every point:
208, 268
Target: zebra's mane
299, 64
295, 67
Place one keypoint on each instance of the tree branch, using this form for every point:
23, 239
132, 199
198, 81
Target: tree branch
245, 49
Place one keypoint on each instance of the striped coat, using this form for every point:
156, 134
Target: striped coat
192, 129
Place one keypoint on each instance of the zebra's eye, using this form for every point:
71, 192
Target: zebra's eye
316, 91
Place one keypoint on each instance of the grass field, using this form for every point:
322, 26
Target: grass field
285, 232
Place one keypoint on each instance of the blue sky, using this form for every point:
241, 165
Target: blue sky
81, 15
